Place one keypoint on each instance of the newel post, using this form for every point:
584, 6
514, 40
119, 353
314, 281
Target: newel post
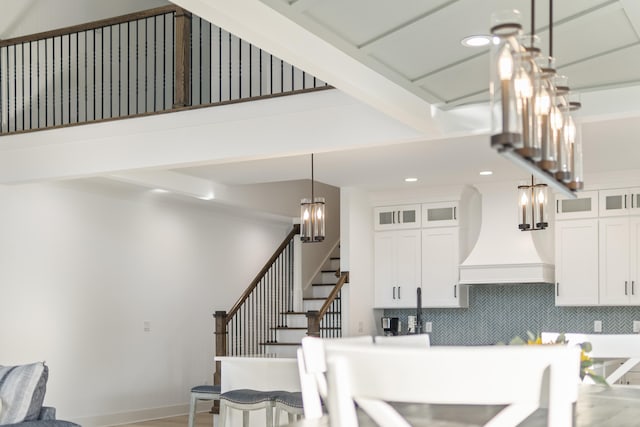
221, 350
182, 94
313, 323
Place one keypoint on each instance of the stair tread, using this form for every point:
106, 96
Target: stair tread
295, 328
329, 271
279, 343
304, 312
333, 258
315, 298
323, 284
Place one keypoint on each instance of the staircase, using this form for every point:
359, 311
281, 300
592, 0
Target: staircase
289, 335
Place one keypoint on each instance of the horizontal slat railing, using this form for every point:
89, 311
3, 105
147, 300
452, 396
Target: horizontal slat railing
148, 62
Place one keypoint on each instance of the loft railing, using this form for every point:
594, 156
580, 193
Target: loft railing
327, 322
147, 62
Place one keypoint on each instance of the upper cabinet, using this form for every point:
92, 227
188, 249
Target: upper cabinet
619, 202
442, 214
396, 217
583, 206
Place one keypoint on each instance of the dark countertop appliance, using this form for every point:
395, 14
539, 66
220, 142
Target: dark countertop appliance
390, 325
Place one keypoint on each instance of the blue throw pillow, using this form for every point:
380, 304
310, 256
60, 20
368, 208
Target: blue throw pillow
22, 390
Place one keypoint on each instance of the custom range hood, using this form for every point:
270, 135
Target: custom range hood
502, 253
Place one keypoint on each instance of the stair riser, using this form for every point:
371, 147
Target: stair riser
282, 350
329, 278
334, 264
296, 320
295, 335
321, 291
313, 305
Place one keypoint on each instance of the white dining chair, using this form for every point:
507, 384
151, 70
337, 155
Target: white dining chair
522, 377
415, 340
606, 346
312, 368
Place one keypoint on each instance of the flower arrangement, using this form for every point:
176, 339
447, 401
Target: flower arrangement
586, 362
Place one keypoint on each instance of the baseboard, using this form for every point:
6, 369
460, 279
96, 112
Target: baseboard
133, 416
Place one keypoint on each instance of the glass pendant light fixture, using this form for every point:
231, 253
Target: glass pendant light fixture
531, 108
312, 216
532, 206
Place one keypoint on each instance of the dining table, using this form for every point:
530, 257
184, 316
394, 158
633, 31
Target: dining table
597, 405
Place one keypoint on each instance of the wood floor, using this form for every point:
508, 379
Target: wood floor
203, 419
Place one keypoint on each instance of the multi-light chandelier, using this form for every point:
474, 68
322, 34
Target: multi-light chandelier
532, 105
312, 216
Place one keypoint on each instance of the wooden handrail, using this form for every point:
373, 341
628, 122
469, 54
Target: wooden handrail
344, 278
91, 25
260, 275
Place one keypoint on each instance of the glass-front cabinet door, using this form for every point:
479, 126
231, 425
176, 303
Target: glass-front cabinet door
619, 202
441, 214
396, 217
585, 205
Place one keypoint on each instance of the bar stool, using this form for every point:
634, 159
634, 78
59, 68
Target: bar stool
247, 400
202, 392
291, 403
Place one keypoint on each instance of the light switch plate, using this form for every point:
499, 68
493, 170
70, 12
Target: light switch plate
597, 326
636, 326
428, 326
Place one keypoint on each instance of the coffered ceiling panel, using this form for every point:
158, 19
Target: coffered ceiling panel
461, 80
614, 69
360, 21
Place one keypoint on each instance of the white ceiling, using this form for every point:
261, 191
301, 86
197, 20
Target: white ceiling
405, 59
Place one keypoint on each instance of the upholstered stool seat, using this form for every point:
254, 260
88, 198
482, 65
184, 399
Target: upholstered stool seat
290, 402
247, 400
202, 392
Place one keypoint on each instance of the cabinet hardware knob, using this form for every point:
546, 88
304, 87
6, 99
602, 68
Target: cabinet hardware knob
625, 288
394, 292
398, 292
625, 201
394, 217
454, 212
557, 289
455, 291
633, 291
557, 206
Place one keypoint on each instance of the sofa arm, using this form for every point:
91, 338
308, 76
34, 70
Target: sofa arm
47, 413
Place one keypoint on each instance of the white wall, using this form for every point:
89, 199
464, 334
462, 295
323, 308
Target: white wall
83, 265
356, 256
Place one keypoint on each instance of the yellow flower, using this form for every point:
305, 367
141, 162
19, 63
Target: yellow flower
583, 356
537, 341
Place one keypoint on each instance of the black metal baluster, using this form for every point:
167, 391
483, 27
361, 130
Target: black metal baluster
239, 68
260, 71
1, 97
104, 29
22, 84
210, 63
219, 64
199, 58
137, 66
77, 77
15, 89
94, 74
119, 70
128, 68
155, 65
46, 85
146, 60
30, 85
86, 79
250, 70
271, 74
173, 53
164, 62
292, 78
281, 76
230, 70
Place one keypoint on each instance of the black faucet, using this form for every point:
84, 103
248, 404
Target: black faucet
419, 312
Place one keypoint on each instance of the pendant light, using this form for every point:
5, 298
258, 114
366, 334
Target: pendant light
531, 108
312, 216
532, 206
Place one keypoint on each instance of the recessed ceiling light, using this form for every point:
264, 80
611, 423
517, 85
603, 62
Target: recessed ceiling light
486, 173
410, 179
476, 41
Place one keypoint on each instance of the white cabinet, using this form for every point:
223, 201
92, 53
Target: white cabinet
577, 262
619, 202
440, 269
397, 268
396, 217
442, 214
619, 239
585, 205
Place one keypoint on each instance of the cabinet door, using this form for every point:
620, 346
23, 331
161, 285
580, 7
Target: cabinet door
615, 286
615, 202
396, 268
408, 268
443, 214
440, 266
585, 205
396, 217
634, 250
577, 262
384, 269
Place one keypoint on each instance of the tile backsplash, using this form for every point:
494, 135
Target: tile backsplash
498, 313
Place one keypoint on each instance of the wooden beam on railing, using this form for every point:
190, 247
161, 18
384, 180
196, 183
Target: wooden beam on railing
315, 317
182, 95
